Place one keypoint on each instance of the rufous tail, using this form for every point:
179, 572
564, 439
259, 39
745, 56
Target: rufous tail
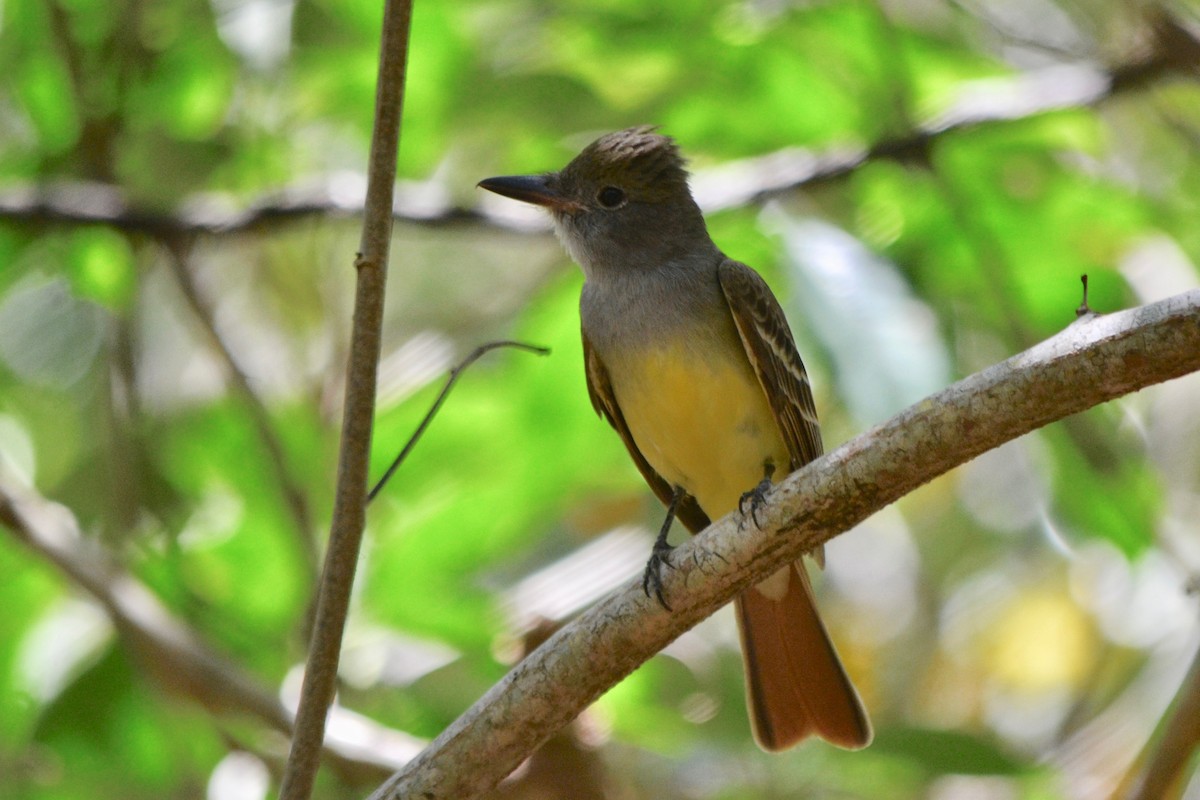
795, 684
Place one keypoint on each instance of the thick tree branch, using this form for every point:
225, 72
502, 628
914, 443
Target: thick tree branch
350, 500
1096, 359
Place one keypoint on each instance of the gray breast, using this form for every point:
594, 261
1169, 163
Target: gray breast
635, 309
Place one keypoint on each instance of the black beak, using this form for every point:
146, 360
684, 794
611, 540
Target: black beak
536, 189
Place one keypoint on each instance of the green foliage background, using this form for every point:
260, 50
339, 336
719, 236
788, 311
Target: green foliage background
997, 620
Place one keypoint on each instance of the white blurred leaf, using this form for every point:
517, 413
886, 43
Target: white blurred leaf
883, 342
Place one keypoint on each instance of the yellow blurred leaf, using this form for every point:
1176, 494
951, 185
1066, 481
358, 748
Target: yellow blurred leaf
1042, 641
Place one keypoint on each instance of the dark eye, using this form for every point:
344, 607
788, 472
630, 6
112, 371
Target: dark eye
611, 197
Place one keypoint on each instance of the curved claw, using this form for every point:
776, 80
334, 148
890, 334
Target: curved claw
660, 557
754, 499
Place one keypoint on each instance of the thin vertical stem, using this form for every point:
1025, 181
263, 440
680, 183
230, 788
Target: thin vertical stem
349, 512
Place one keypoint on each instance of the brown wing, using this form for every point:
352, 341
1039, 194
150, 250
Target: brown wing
605, 403
772, 352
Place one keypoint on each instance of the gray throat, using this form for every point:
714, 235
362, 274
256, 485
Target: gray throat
633, 308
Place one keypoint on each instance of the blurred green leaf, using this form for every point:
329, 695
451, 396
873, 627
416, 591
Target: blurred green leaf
45, 92
947, 752
106, 717
27, 591
1111, 495
102, 267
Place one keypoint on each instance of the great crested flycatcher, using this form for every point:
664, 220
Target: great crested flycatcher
689, 357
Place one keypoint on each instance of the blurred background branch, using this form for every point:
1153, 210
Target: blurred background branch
294, 498
1164, 759
1173, 50
172, 656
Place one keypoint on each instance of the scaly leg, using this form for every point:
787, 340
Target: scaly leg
660, 555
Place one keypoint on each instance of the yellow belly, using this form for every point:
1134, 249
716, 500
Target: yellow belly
703, 423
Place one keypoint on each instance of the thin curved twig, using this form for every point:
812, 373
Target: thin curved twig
474, 356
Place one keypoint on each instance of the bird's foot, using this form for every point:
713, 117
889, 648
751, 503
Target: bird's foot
753, 500
660, 557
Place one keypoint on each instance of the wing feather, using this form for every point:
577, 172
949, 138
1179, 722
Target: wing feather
772, 352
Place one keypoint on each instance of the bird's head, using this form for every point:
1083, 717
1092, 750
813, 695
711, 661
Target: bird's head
622, 202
